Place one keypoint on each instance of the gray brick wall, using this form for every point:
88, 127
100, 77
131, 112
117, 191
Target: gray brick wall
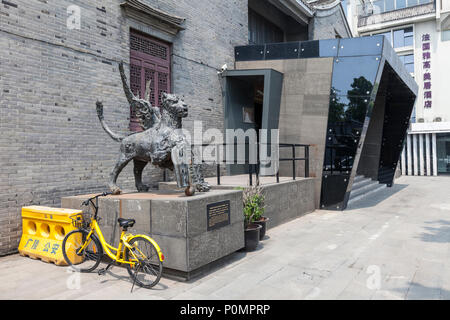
51, 144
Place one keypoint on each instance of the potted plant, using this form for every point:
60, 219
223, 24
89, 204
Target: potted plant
258, 204
253, 211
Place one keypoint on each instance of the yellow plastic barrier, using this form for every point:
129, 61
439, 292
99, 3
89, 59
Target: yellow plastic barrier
43, 230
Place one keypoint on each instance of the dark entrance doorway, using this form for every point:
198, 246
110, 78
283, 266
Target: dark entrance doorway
252, 102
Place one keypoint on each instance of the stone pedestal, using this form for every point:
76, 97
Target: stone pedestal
178, 223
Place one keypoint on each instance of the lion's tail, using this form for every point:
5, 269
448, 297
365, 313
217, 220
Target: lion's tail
113, 135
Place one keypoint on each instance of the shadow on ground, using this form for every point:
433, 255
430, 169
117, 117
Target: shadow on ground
225, 261
438, 231
378, 197
235, 257
417, 291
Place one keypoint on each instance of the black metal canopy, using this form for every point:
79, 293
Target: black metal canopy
371, 95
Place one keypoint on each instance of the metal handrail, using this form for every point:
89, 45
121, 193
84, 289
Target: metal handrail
254, 168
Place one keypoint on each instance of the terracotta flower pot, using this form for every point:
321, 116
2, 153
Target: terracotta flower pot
252, 236
262, 222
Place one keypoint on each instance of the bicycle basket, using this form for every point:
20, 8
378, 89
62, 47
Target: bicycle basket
81, 221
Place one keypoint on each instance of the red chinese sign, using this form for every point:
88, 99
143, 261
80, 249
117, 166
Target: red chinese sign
426, 61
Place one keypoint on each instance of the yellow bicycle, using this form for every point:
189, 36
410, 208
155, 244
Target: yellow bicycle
83, 250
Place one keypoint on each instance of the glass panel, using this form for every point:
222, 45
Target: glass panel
352, 85
370, 7
390, 5
249, 53
401, 4
355, 75
309, 49
387, 35
378, 6
328, 48
403, 37
409, 36
349, 110
409, 32
409, 67
445, 35
443, 152
361, 46
286, 50
399, 38
409, 58
408, 61
408, 41
345, 123
333, 190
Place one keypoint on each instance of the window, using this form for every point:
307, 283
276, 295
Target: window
408, 61
443, 152
381, 6
399, 38
378, 6
403, 37
445, 35
401, 4
389, 6
149, 60
388, 36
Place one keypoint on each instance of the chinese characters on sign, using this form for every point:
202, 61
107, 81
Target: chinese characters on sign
426, 60
34, 243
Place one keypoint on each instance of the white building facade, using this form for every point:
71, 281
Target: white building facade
419, 31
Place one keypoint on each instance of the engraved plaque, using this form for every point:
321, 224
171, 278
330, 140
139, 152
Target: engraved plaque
218, 214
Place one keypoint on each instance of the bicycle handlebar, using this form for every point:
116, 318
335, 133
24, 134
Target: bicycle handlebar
104, 194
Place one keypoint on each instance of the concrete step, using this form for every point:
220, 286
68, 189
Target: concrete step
360, 182
365, 195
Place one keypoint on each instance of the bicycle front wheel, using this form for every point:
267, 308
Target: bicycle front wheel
147, 269
87, 259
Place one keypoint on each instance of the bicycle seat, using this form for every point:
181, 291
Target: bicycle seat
126, 223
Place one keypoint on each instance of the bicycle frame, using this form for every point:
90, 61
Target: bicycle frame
123, 242
107, 247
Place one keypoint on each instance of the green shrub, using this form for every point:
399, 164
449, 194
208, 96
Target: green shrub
253, 204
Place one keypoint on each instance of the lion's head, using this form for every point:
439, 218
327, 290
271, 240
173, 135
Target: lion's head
174, 105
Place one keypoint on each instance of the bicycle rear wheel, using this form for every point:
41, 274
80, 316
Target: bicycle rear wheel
147, 270
86, 260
